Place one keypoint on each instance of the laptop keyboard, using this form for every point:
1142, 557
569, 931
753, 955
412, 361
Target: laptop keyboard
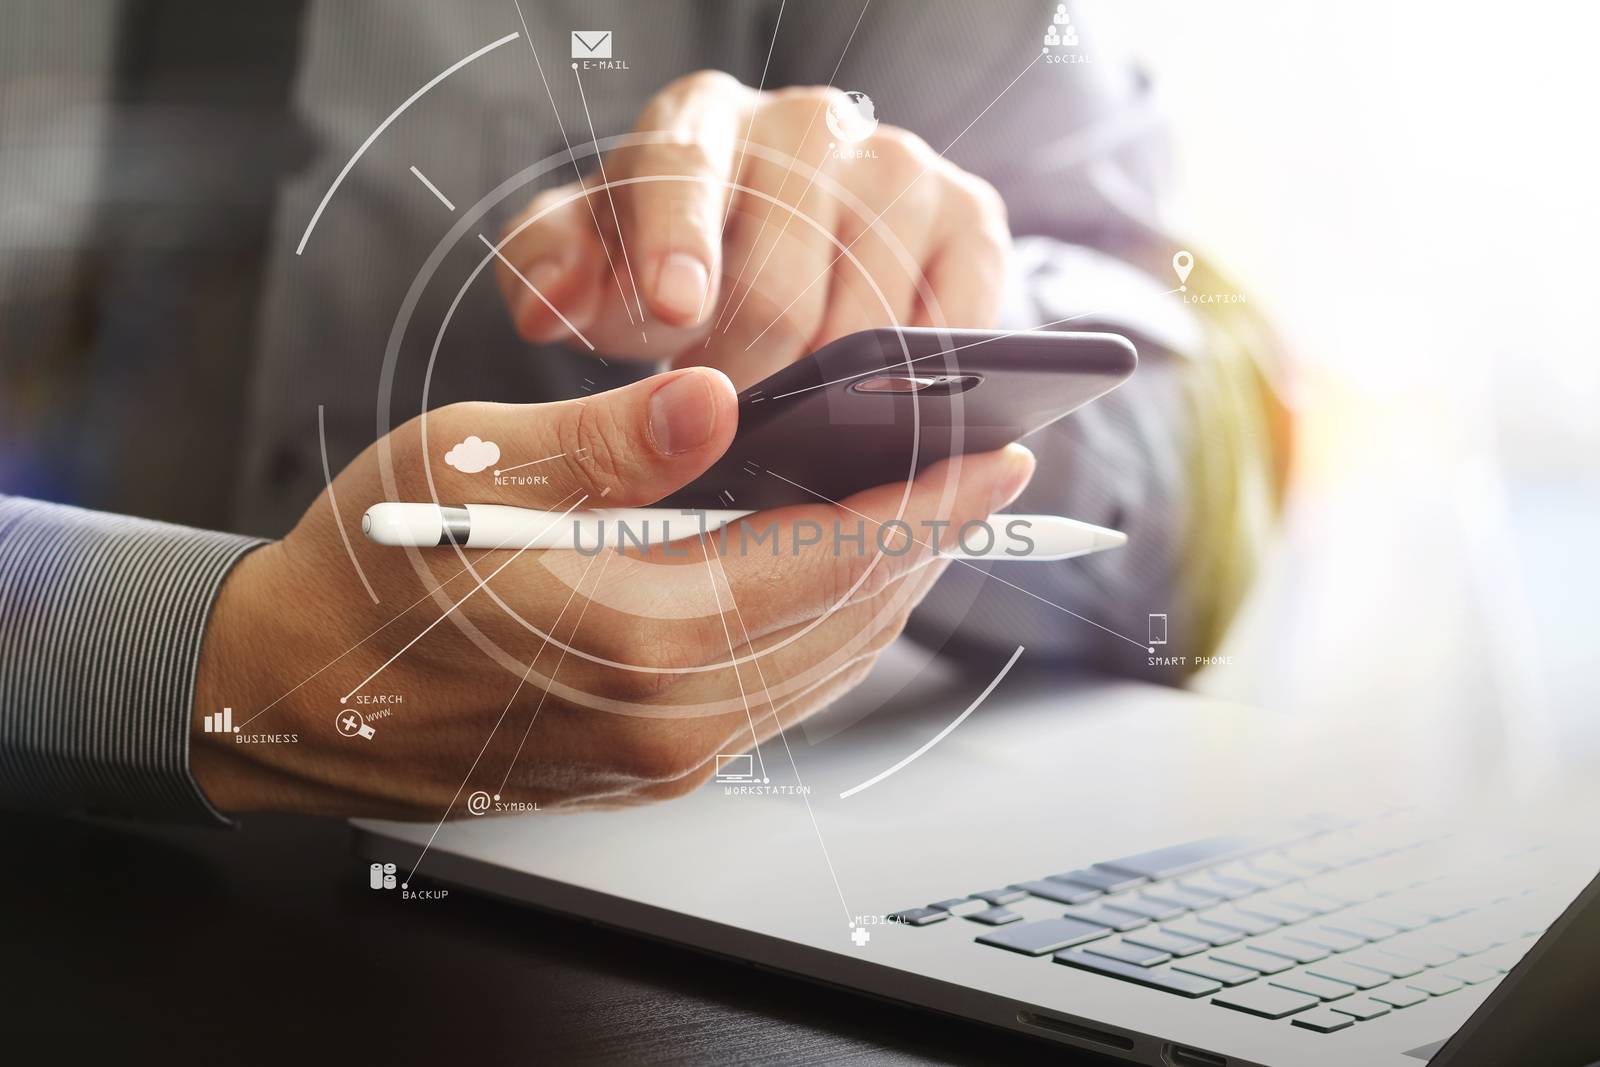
1324, 930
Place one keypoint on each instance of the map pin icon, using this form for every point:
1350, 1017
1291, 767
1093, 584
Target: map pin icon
1183, 263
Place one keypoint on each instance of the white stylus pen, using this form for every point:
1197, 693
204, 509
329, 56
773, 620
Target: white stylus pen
1009, 537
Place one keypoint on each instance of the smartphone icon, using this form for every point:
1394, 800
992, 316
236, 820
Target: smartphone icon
1158, 629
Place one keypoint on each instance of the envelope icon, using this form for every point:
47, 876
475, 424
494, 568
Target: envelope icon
591, 44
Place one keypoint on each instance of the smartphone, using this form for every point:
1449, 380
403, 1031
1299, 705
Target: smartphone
875, 407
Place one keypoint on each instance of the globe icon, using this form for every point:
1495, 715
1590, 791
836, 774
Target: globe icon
853, 118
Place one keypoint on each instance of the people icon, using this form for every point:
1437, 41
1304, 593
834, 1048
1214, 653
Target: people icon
1061, 33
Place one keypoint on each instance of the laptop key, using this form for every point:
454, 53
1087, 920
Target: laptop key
1397, 995
1177, 895
1105, 881
1467, 941
919, 916
1206, 882
1236, 875
1311, 985
1185, 985
1046, 935
1434, 984
1278, 898
1422, 951
1299, 951
1357, 926
1008, 895
1385, 962
1210, 933
965, 906
1331, 940
1395, 915
1352, 887
1349, 973
1236, 920
1245, 956
1267, 908
1178, 859
1217, 971
995, 916
1267, 1001
1314, 903
1107, 916
1140, 905
1308, 860
1441, 905
1361, 1007
1471, 972
1323, 1020
1001, 896
1060, 892
1243, 872
1277, 867
1178, 946
1138, 955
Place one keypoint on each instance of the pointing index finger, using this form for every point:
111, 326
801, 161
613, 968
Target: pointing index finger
675, 227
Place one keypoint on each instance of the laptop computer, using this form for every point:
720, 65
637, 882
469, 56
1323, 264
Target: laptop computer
1106, 865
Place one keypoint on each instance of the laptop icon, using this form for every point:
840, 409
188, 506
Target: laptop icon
735, 767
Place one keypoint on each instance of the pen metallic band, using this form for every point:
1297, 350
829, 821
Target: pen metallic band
455, 524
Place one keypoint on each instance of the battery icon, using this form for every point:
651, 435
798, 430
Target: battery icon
375, 876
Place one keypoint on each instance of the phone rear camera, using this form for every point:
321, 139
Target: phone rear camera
927, 385
887, 383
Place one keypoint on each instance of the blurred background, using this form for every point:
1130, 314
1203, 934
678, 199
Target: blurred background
1408, 190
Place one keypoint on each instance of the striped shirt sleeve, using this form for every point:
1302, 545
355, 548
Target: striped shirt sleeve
101, 619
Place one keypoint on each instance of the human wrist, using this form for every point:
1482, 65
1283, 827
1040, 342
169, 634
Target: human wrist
235, 670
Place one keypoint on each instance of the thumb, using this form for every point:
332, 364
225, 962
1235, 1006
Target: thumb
625, 448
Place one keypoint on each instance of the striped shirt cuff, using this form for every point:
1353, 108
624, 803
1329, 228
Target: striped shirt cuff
101, 619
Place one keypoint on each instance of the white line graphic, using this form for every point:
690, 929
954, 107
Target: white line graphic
432, 188
333, 502
384, 125
942, 734
523, 278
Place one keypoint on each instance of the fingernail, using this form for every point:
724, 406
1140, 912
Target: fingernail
1019, 471
683, 414
681, 286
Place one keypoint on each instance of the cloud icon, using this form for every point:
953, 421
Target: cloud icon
473, 455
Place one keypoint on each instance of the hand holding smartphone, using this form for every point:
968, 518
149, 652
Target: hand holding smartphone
875, 407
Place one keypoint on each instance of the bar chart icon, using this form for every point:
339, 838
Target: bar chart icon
221, 722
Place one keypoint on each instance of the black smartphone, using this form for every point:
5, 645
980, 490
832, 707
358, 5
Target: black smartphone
875, 407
